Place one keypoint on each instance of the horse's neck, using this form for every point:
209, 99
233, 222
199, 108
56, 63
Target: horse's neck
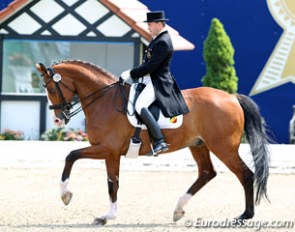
87, 82
109, 103
92, 88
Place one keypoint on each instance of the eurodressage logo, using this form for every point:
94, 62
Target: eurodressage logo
280, 68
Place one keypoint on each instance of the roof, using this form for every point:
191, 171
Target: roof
132, 12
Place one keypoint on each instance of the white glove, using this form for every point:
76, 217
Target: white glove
126, 77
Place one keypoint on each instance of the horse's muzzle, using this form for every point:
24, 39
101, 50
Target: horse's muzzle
61, 119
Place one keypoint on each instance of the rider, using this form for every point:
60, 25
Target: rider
161, 87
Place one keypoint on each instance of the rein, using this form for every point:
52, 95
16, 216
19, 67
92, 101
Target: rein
101, 91
66, 107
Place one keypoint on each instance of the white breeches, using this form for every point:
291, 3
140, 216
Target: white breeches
147, 96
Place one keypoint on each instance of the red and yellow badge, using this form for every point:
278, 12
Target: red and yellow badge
173, 119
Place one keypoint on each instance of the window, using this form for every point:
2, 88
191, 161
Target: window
20, 56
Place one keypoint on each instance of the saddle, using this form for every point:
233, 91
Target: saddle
135, 121
164, 122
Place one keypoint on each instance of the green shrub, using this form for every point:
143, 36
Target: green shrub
218, 55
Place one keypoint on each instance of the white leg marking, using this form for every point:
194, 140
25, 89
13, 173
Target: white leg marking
66, 195
112, 214
182, 201
64, 187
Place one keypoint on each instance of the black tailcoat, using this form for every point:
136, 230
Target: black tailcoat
157, 63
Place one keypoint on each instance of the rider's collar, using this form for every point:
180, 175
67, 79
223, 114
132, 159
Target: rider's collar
163, 30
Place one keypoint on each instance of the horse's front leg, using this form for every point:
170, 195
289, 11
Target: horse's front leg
93, 152
113, 169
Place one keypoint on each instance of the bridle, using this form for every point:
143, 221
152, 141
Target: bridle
66, 107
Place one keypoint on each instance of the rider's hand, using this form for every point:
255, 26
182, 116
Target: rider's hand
125, 76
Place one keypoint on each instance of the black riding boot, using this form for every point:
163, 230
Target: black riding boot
154, 130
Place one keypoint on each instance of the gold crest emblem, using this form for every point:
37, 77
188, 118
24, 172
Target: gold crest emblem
149, 53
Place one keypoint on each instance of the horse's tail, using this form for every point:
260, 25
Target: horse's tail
258, 140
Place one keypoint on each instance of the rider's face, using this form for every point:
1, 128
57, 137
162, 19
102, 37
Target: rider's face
155, 28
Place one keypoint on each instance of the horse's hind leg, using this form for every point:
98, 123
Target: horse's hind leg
206, 173
245, 176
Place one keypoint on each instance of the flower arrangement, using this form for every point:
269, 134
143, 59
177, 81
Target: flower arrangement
62, 135
12, 135
19, 59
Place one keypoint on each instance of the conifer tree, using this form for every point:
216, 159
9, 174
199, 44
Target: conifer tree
219, 57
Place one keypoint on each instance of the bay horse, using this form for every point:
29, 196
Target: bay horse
216, 122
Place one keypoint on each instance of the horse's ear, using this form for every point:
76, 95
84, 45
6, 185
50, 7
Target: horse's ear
41, 68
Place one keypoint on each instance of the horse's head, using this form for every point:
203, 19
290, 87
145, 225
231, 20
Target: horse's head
60, 92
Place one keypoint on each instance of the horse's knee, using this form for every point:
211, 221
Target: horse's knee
213, 174
72, 157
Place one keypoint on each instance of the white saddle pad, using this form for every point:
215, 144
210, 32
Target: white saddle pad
164, 123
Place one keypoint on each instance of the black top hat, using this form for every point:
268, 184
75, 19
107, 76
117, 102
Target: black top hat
156, 16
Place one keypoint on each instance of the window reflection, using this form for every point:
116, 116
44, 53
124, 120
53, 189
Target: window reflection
19, 58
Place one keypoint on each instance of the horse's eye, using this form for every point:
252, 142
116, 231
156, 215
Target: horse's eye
51, 90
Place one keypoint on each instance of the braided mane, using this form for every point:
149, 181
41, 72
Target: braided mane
88, 66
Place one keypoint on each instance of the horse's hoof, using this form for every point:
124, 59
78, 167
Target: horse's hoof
67, 197
99, 221
178, 215
246, 215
